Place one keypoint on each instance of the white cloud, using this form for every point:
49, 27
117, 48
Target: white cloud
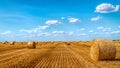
107, 8
95, 33
58, 32
96, 18
6, 33
70, 33
82, 28
27, 31
52, 22
44, 34
100, 28
115, 32
62, 18
83, 34
91, 31
73, 20
118, 26
42, 27
104, 29
107, 29
29, 36
35, 30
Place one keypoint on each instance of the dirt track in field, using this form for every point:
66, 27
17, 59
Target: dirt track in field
54, 55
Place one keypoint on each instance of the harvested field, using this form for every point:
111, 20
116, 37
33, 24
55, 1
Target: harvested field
53, 55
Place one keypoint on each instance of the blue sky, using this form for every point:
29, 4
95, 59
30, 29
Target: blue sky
59, 20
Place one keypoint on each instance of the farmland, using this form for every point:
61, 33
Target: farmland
53, 55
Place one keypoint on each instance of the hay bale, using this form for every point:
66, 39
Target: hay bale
102, 49
68, 43
3, 42
36, 43
12, 43
31, 45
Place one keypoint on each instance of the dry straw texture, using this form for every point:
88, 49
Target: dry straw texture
102, 49
31, 45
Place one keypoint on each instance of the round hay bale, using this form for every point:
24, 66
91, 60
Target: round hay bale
31, 45
12, 43
3, 42
102, 49
67, 43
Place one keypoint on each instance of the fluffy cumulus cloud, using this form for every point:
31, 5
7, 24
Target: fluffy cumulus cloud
107, 8
115, 32
118, 26
27, 31
95, 18
73, 20
100, 28
61, 33
6, 33
82, 28
91, 31
43, 34
107, 29
62, 18
52, 22
70, 33
82, 34
35, 30
58, 32
43, 27
104, 29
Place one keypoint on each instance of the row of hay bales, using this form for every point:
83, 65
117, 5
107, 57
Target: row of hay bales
30, 45
11, 43
101, 49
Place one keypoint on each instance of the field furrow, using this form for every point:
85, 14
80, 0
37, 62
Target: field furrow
12, 52
9, 56
59, 57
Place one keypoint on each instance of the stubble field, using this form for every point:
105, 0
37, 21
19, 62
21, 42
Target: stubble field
53, 55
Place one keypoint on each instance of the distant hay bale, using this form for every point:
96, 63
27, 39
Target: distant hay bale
3, 42
102, 49
36, 43
68, 43
12, 43
31, 45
